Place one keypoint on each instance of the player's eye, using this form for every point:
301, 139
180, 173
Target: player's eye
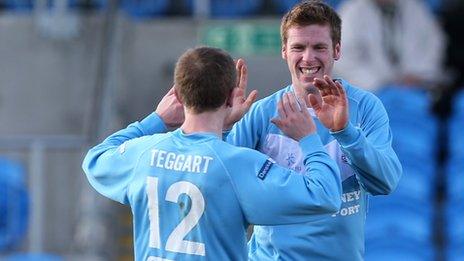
297, 48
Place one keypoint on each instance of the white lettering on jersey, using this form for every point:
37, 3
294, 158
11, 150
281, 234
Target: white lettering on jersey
176, 241
179, 162
347, 211
350, 203
351, 196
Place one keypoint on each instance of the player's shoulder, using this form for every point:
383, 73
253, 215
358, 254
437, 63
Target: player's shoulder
143, 143
241, 161
235, 154
360, 96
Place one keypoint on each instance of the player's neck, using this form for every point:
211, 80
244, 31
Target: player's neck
211, 121
302, 94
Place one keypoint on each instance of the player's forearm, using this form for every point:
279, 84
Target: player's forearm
378, 170
378, 167
108, 166
322, 174
149, 125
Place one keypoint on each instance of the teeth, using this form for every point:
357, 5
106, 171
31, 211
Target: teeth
310, 70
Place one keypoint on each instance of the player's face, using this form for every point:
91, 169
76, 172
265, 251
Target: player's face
309, 53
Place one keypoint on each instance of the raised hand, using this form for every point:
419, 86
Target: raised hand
239, 104
171, 110
294, 119
330, 105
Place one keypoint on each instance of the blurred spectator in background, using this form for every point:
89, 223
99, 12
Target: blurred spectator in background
452, 16
388, 42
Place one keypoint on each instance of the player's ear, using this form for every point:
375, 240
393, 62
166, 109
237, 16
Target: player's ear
284, 51
337, 51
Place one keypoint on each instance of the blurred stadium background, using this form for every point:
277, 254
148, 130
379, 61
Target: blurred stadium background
73, 71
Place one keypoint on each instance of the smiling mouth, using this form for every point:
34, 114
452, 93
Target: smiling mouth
310, 71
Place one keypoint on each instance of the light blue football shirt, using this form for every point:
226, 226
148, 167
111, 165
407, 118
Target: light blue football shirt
367, 163
193, 196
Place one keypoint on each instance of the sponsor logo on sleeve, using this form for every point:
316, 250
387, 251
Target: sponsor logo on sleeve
265, 168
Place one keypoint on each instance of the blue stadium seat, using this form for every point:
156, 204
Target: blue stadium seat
285, 5
455, 181
402, 102
234, 8
27, 5
459, 102
407, 214
145, 8
414, 147
455, 229
455, 164
230, 8
413, 186
398, 249
434, 5
18, 5
399, 218
398, 236
456, 126
93, 4
455, 253
33, 257
13, 205
415, 132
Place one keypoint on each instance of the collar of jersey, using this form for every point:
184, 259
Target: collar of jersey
194, 137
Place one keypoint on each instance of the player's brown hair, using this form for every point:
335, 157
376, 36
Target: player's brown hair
204, 78
312, 12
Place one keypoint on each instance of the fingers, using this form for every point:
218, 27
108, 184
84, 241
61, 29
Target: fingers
315, 101
293, 121
320, 84
326, 86
251, 98
236, 97
333, 87
171, 92
304, 109
290, 103
242, 74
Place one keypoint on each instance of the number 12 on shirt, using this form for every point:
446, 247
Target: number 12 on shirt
176, 242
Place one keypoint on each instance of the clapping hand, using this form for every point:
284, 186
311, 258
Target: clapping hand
294, 119
238, 103
171, 110
330, 104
